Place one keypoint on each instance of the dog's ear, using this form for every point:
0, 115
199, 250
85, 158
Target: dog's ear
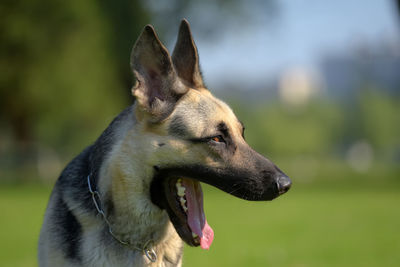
186, 58
157, 86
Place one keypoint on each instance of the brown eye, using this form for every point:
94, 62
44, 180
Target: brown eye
218, 139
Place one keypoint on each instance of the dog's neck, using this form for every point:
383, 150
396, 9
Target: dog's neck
124, 186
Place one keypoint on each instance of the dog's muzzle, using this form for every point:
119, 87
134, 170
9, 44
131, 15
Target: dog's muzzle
283, 183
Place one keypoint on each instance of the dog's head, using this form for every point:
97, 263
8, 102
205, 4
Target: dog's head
196, 137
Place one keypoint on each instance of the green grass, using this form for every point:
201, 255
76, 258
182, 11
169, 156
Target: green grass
310, 226
22, 209
306, 227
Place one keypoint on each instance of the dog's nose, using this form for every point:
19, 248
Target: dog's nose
283, 183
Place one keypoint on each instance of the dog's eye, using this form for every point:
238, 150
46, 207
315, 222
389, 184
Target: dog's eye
218, 139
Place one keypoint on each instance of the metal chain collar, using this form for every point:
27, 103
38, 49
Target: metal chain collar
147, 247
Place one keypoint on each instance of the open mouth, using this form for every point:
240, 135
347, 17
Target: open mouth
172, 189
183, 200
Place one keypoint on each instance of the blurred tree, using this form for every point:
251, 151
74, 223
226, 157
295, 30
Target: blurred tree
60, 66
381, 121
24, 35
277, 130
126, 18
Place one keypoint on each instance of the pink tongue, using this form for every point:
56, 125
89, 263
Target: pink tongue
195, 213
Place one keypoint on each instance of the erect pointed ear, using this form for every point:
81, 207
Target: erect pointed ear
186, 58
157, 86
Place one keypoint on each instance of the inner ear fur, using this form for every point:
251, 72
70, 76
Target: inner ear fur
157, 85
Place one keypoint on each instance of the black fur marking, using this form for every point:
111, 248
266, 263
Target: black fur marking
178, 127
230, 144
69, 230
105, 142
222, 127
73, 180
161, 144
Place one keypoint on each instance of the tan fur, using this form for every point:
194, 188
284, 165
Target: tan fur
216, 110
129, 194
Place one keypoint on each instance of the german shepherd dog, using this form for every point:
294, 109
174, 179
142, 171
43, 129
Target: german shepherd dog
134, 196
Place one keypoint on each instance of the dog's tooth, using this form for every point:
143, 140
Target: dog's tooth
180, 190
194, 235
183, 204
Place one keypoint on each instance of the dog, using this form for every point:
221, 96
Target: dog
134, 197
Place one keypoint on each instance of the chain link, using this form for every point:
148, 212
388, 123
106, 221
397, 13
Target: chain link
148, 246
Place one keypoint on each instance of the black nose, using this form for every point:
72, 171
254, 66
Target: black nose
283, 183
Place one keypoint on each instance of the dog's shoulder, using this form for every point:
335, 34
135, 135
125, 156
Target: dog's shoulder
67, 228
61, 233
72, 183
